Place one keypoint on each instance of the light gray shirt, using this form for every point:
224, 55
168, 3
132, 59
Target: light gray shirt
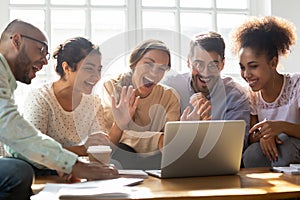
21, 136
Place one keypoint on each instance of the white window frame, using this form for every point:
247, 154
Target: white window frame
133, 10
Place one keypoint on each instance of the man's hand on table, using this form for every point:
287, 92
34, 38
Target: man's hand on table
91, 171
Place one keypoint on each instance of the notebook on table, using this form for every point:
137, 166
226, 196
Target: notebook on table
201, 148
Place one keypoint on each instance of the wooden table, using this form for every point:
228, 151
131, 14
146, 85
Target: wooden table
255, 183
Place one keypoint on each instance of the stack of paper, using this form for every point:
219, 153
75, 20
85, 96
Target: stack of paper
113, 188
95, 193
132, 173
293, 169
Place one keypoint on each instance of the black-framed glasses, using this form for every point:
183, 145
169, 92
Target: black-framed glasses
199, 66
43, 50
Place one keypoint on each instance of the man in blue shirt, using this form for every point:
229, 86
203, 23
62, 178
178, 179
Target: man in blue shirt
206, 59
23, 52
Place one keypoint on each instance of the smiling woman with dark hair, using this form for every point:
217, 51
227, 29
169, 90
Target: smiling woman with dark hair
65, 109
275, 118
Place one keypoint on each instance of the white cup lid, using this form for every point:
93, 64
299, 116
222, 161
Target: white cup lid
98, 148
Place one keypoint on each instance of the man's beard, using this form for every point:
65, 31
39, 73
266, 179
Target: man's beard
21, 64
195, 87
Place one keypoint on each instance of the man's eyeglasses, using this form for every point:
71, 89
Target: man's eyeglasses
43, 50
199, 66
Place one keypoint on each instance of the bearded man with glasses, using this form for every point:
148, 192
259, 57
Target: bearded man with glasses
216, 97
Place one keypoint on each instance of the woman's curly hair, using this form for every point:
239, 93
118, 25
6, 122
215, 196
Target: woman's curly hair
269, 34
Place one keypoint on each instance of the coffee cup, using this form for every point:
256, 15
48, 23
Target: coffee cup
99, 153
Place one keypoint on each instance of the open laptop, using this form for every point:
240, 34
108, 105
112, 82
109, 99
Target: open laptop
201, 148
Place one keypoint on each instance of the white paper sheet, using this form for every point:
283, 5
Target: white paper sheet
113, 187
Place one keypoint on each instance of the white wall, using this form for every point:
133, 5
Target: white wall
289, 9
4, 14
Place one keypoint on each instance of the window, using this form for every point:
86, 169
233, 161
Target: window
118, 25
186, 18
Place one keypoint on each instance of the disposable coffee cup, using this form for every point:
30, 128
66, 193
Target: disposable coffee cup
100, 153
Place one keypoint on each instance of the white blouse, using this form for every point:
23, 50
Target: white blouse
68, 128
285, 107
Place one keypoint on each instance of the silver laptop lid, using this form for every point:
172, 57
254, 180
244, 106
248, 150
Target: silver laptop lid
202, 148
